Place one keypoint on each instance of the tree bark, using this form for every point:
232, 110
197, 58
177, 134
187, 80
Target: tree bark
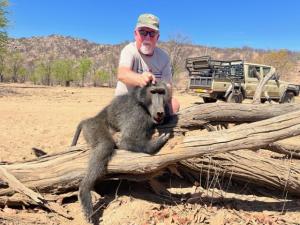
233, 112
198, 115
292, 151
62, 172
260, 86
250, 167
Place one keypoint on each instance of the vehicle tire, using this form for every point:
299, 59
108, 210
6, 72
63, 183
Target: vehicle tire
289, 97
209, 100
233, 98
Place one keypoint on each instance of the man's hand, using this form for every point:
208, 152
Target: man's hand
129, 77
145, 78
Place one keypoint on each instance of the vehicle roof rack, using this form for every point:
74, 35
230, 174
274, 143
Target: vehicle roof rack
206, 66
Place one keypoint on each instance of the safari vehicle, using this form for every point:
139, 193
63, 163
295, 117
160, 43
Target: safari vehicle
235, 80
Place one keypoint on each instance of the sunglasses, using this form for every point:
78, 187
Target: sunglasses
145, 33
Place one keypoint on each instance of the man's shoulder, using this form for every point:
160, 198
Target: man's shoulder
130, 47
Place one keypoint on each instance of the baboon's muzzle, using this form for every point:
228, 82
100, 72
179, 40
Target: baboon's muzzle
158, 110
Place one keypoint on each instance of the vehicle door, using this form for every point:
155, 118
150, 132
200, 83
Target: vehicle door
253, 75
272, 86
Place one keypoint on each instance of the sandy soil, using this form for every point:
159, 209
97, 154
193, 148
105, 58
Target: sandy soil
46, 118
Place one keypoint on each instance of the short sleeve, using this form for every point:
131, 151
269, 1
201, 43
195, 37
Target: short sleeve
126, 57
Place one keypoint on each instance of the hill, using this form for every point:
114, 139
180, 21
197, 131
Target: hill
105, 57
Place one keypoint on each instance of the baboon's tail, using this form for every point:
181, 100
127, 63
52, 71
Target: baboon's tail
76, 135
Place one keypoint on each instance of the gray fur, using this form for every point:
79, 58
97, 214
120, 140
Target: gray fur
134, 115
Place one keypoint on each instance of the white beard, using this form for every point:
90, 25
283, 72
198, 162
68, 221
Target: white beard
147, 48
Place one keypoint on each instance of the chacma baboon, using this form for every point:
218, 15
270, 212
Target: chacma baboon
134, 115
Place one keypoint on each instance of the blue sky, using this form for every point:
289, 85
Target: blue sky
256, 23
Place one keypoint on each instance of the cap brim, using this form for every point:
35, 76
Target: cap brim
147, 25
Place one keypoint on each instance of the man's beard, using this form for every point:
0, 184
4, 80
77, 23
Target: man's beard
147, 48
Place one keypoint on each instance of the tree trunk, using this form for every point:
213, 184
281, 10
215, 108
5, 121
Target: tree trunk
260, 86
198, 115
250, 167
62, 172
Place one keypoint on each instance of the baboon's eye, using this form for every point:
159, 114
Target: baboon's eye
160, 91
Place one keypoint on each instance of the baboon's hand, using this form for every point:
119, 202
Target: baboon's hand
163, 138
157, 143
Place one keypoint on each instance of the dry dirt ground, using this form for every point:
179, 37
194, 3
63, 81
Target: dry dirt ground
46, 118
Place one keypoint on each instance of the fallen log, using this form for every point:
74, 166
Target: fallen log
292, 151
36, 197
250, 167
62, 172
196, 116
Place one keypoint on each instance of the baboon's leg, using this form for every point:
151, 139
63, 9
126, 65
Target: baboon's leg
97, 165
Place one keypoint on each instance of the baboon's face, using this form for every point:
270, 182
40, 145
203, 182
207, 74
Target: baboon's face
158, 100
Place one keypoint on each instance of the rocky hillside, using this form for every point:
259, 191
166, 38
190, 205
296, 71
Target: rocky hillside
60, 47
106, 56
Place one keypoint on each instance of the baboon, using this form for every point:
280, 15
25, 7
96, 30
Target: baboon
134, 115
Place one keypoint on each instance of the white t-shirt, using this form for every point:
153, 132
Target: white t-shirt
158, 64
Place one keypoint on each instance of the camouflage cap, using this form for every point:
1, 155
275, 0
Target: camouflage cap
148, 20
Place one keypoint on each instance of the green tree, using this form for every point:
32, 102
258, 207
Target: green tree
3, 24
2, 67
34, 77
44, 72
112, 65
84, 67
3, 37
64, 71
23, 74
14, 64
100, 78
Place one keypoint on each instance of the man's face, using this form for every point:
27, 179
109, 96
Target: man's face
146, 39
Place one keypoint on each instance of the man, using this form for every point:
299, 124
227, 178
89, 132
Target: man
142, 62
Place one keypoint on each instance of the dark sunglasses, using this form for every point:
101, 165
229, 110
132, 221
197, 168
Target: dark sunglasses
145, 33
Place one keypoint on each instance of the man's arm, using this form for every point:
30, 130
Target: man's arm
129, 77
170, 89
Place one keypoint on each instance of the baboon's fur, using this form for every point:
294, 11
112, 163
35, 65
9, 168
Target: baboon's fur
134, 115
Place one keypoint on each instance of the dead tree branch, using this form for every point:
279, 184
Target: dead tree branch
62, 172
250, 167
260, 86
